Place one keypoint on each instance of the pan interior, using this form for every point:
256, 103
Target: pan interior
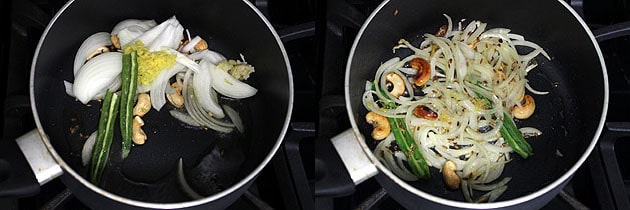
568, 117
212, 161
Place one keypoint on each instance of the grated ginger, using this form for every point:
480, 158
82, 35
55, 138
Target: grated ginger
238, 69
150, 64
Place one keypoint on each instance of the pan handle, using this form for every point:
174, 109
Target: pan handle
359, 166
22, 173
42, 162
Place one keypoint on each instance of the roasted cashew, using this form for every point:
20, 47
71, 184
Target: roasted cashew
143, 105
115, 42
425, 112
380, 123
424, 71
441, 31
176, 98
96, 52
451, 178
398, 84
138, 136
527, 108
201, 45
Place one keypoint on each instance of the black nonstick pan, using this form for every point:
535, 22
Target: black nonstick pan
571, 116
218, 166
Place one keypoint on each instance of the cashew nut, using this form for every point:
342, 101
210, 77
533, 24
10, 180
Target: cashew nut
201, 45
115, 42
425, 112
526, 109
176, 98
451, 178
424, 71
143, 105
380, 123
138, 137
442, 31
98, 51
398, 84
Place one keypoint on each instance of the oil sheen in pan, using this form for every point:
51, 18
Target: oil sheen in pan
212, 160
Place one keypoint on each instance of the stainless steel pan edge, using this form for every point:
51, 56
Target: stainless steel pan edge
552, 188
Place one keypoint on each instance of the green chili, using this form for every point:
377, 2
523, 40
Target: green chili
407, 144
514, 137
129, 77
100, 154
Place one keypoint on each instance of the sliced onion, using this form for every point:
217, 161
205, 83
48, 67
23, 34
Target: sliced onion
128, 30
129, 23
530, 132
127, 35
159, 85
68, 87
184, 60
202, 82
191, 44
190, 103
113, 86
227, 85
489, 187
89, 45
494, 194
167, 34
183, 117
88, 146
184, 184
535, 91
234, 116
208, 55
97, 75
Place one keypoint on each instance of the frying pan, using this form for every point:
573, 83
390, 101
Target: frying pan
218, 166
571, 116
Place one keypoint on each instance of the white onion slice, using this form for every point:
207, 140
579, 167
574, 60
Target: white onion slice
234, 116
535, 91
194, 109
530, 132
184, 60
184, 184
489, 187
188, 47
202, 82
167, 34
97, 75
113, 86
68, 87
159, 85
89, 45
144, 24
208, 55
183, 117
88, 146
227, 85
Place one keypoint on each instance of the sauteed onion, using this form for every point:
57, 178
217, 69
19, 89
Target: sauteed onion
463, 113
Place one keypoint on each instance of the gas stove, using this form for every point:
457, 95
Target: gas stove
318, 36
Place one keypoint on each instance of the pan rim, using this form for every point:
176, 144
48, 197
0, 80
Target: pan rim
233, 188
464, 205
